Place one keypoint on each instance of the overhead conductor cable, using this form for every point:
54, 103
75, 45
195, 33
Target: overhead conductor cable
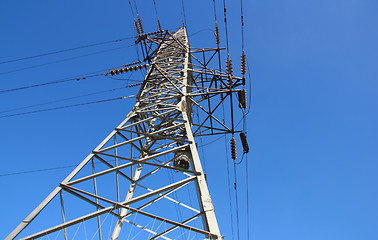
157, 17
243, 99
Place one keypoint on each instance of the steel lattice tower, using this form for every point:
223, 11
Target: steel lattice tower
136, 173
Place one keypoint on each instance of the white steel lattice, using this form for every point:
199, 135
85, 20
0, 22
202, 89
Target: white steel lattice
151, 157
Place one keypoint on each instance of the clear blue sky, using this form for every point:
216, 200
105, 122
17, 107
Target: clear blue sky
312, 128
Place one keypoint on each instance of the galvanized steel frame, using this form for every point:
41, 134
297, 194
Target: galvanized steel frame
161, 123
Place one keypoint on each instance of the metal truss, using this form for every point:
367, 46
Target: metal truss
139, 158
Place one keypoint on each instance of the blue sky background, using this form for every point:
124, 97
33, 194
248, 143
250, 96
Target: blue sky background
312, 127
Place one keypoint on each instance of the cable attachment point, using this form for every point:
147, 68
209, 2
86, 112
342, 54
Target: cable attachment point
217, 38
242, 97
243, 64
233, 148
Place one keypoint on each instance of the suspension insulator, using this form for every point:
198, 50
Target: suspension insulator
136, 27
159, 26
217, 38
229, 80
140, 25
134, 85
243, 64
229, 66
242, 96
127, 69
229, 71
233, 148
244, 142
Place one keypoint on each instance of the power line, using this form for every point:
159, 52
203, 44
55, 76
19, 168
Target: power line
225, 24
228, 176
157, 17
63, 60
246, 176
49, 83
68, 106
136, 9
123, 79
236, 200
242, 23
46, 169
183, 12
61, 100
37, 170
75, 78
64, 50
202, 30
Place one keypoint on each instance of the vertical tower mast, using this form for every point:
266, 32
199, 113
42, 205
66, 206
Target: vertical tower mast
168, 83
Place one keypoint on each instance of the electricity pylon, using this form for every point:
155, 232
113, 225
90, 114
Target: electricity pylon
140, 180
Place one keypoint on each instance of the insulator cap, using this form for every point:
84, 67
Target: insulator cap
233, 148
112, 72
242, 97
243, 139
